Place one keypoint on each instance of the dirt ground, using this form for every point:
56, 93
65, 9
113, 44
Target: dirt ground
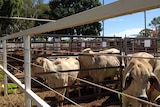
17, 100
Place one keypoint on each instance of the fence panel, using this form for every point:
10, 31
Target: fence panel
150, 45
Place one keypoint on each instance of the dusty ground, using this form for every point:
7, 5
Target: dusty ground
17, 100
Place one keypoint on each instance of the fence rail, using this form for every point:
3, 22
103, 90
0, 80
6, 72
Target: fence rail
89, 16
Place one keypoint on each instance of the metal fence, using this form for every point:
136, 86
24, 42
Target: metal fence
150, 45
89, 16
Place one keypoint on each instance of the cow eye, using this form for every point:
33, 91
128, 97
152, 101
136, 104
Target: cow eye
129, 79
128, 82
151, 80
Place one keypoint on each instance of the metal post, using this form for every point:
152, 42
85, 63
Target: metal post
27, 69
103, 23
145, 24
121, 67
5, 67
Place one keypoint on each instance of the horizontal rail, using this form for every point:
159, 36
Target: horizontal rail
36, 98
24, 18
83, 70
119, 8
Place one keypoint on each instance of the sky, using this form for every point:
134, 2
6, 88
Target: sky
127, 25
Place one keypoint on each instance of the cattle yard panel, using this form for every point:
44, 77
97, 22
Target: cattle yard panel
11, 54
96, 43
150, 45
70, 43
78, 43
103, 42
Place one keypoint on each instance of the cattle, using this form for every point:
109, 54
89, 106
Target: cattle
57, 79
155, 94
74, 64
138, 77
85, 62
93, 60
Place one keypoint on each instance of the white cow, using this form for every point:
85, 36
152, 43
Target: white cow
74, 64
85, 63
97, 61
137, 79
155, 94
57, 79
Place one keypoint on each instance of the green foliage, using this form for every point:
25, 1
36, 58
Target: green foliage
56, 9
21, 8
145, 33
155, 23
1, 3
9, 8
33, 9
64, 8
29, 9
43, 13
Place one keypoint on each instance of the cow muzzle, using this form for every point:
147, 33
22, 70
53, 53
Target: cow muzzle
142, 103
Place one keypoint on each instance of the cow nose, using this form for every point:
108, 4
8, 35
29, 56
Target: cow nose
143, 98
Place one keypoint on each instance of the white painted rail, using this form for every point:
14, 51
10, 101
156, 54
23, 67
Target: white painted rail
119, 8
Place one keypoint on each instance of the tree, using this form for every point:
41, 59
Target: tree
30, 9
155, 23
145, 33
1, 3
64, 8
43, 13
27, 8
9, 8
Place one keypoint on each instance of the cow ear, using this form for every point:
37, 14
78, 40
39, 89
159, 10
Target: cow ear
155, 83
127, 81
77, 58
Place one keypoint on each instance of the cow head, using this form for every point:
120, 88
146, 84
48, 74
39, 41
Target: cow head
139, 79
39, 61
37, 66
152, 79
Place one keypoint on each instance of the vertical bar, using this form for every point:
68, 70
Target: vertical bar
125, 49
27, 69
145, 24
71, 43
5, 67
103, 23
121, 68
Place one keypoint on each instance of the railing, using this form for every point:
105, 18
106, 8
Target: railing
89, 16
26, 88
